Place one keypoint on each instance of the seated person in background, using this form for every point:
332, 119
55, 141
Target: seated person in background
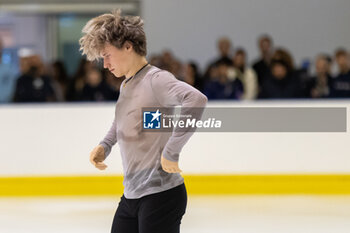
76, 85
155, 60
319, 85
341, 83
280, 84
262, 65
33, 85
59, 79
245, 74
192, 76
299, 76
224, 48
282, 54
95, 88
170, 63
219, 86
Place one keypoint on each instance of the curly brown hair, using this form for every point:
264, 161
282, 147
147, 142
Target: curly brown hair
115, 29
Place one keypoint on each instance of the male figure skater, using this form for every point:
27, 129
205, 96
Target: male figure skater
155, 197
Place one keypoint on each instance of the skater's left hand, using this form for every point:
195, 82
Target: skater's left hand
170, 166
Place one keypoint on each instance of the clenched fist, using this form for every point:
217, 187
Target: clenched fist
97, 156
170, 166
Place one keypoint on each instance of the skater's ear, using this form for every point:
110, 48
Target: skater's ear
128, 45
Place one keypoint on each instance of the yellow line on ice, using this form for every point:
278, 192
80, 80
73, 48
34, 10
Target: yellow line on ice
196, 184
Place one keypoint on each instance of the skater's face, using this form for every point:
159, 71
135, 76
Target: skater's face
116, 60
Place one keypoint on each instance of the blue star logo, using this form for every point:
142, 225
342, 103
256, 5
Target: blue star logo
151, 120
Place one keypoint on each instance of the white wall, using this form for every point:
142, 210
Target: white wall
190, 28
57, 139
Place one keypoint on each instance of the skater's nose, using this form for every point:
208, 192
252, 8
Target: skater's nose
105, 64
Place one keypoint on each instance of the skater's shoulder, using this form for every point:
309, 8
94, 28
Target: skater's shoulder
156, 72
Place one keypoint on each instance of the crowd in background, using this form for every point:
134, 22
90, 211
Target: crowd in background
40, 82
273, 75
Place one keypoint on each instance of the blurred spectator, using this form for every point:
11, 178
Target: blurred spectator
341, 84
113, 84
285, 56
274, 75
219, 86
303, 78
208, 74
280, 84
95, 88
192, 76
224, 47
262, 65
167, 61
8, 78
76, 85
177, 69
320, 85
155, 60
245, 74
60, 80
33, 85
299, 77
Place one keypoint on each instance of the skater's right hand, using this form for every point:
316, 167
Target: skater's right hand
97, 156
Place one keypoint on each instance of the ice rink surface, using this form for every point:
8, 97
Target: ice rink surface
205, 214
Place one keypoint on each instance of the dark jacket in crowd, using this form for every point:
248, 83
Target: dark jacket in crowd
262, 69
274, 88
323, 92
341, 86
73, 94
102, 92
33, 89
216, 90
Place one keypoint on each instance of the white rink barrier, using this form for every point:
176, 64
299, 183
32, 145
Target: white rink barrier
56, 139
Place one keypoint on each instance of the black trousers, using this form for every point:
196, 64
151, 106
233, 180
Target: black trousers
155, 213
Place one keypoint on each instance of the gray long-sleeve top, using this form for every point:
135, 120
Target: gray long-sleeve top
140, 150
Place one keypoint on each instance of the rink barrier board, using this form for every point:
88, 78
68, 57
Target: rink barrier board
195, 184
